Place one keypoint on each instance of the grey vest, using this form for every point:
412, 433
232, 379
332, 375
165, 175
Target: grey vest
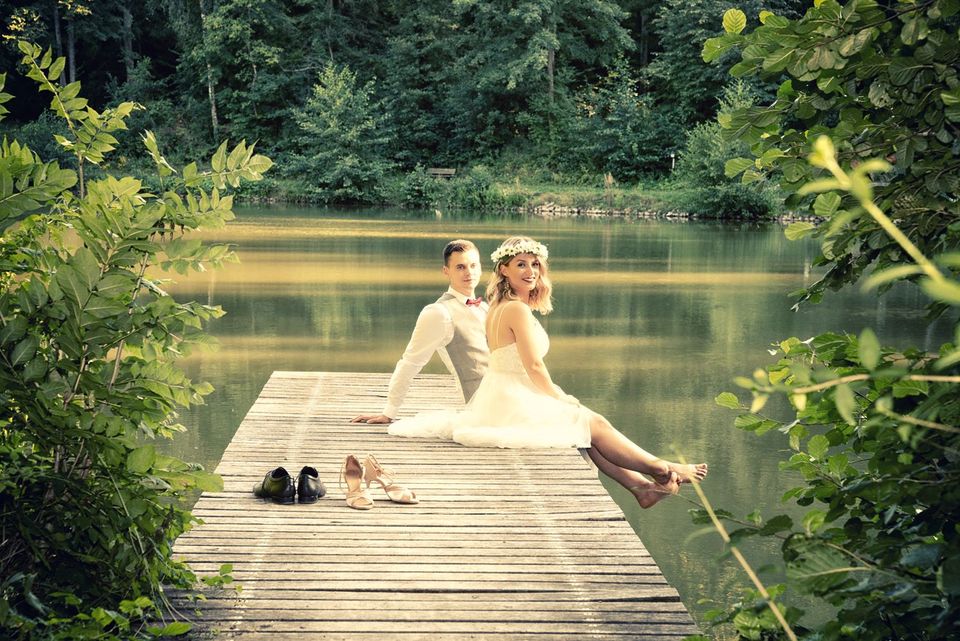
467, 349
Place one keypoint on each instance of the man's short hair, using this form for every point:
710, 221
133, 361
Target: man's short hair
458, 245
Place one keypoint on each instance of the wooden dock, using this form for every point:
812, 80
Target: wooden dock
504, 544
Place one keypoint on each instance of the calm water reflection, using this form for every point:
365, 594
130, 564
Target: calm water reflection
653, 319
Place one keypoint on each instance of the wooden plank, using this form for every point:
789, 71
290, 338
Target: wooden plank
504, 543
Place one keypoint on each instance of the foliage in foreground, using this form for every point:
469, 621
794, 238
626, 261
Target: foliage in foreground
875, 437
89, 341
880, 79
874, 430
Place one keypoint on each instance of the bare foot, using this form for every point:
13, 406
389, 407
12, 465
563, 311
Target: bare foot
649, 493
688, 472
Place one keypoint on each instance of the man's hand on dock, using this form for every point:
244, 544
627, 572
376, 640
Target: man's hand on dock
371, 418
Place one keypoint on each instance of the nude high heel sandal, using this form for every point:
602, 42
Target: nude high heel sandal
373, 472
358, 497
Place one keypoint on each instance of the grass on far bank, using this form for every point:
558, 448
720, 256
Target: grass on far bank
652, 197
655, 198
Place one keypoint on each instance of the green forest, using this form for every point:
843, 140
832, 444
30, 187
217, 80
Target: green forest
353, 100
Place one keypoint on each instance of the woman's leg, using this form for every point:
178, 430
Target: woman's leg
646, 491
621, 451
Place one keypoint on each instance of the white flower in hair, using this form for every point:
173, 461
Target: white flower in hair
523, 247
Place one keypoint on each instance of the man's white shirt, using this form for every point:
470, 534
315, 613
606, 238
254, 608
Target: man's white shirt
432, 333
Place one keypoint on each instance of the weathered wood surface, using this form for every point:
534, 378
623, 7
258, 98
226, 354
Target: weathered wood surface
504, 543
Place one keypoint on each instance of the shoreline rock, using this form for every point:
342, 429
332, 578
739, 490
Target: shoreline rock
549, 210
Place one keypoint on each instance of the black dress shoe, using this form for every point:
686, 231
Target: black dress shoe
309, 485
276, 485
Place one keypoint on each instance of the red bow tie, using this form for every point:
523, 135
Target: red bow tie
474, 301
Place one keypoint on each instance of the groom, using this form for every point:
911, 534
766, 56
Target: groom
453, 326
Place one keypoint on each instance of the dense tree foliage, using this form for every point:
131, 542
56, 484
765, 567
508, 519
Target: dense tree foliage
341, 152
703, 159
572, 90
89, 343
879, 80
873, 431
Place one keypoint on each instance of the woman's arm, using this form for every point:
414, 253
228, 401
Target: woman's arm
519, 319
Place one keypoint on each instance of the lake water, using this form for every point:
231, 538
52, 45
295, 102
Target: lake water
652, 320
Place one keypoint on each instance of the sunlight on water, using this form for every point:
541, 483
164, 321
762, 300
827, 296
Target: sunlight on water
285, 270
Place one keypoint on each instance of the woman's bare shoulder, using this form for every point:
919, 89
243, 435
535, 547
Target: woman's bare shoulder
516, 314
516, 308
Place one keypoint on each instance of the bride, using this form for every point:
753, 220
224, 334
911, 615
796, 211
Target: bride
517, 403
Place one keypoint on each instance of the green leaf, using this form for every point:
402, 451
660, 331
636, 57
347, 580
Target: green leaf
713, 48
766, 15
728, 400
748, 625
56, 68
98, 307
208, 481
24, 350
140, 460
914, 29
923, 557
845, 402
948, 576
35, 369
219, 160
779, 60
35, 184
13, 330
826, 205
797, 230
87, 267
259, 164
903, 389
819, 567
813, 520
868, 348
817, 446
735, 166
191, 177
747, 422
837, 464
734, 21
233, 160
72, 284
855, 42
902, 70
951, 98
778, 523
175, 629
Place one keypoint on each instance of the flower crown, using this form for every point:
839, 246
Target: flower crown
523, 247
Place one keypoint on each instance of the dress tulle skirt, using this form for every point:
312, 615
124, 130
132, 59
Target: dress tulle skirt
507, 410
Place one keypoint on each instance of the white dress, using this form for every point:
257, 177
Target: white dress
507, 410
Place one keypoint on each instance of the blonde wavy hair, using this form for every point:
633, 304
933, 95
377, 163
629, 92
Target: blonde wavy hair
499, 289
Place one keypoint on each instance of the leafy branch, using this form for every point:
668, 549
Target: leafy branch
874, 439
89, 346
